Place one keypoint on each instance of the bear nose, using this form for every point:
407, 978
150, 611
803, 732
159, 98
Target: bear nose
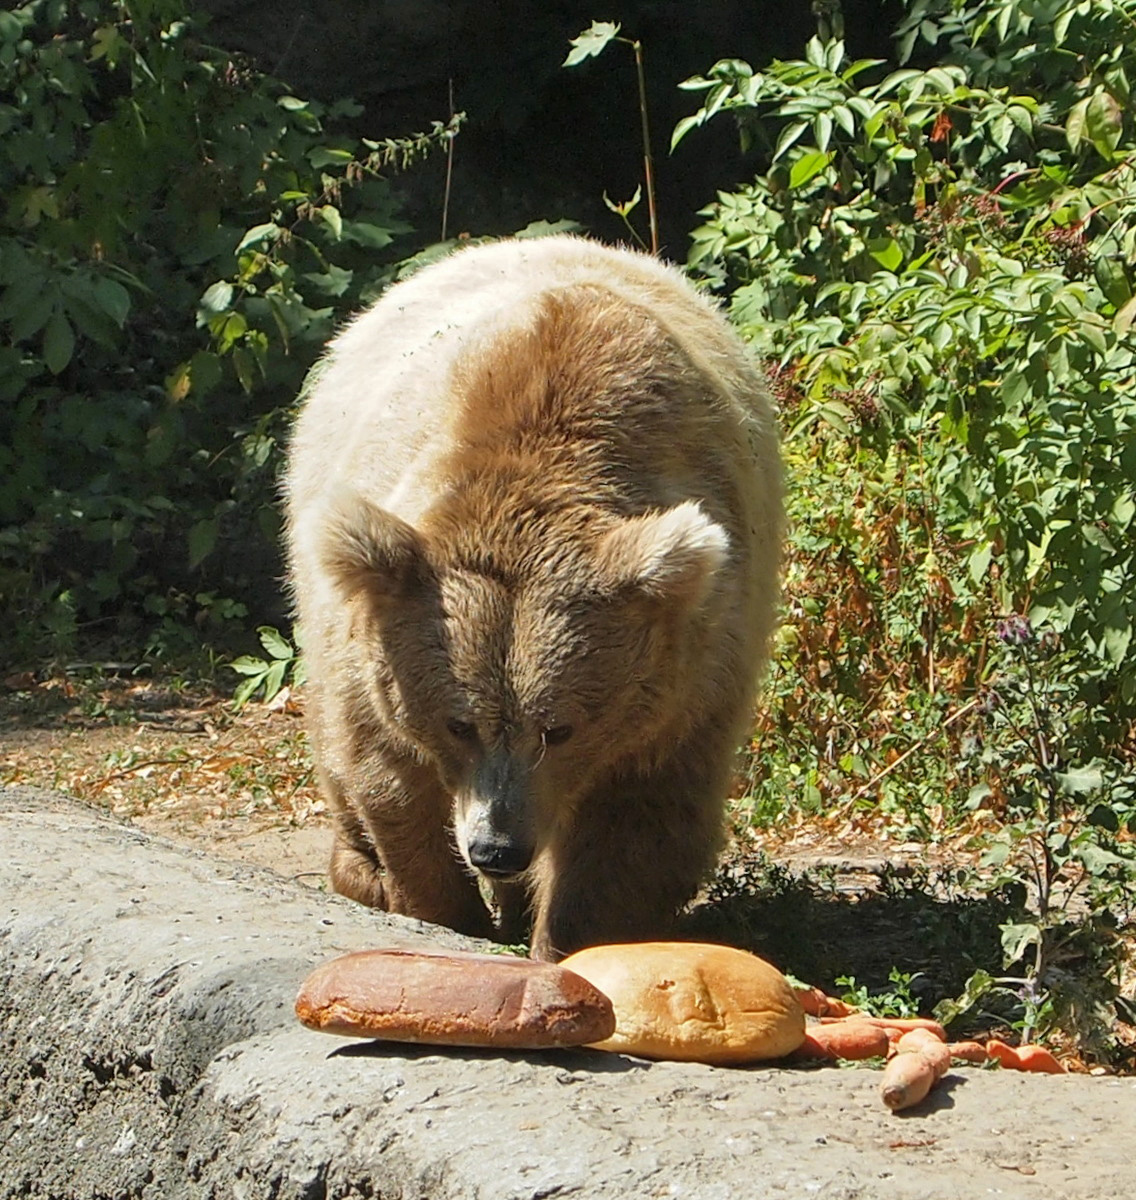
499, 858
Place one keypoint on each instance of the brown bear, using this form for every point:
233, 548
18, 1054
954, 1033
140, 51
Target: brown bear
534, 514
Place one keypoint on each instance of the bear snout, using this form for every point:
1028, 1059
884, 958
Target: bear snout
497, 856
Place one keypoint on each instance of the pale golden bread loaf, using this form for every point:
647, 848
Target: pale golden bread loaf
693, 1002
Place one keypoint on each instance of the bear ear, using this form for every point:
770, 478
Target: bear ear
670, 554
365, 548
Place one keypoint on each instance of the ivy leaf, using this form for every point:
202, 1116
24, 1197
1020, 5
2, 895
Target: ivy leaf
591, 42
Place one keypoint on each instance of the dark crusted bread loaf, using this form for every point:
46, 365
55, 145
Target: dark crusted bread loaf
452, 999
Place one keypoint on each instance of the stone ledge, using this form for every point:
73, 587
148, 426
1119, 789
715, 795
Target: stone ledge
148, 1050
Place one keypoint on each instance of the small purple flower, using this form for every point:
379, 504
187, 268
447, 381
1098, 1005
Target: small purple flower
1015, 630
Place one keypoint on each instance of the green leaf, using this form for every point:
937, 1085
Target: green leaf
1104, 123
268, 232
1075, 123
331, 217
246, 665
274, 642
1079, 780
685, 126
1122, 322
788, 136
246, 690
887, 252
591, 42
1016, 939
217, 299
113, 299
58, 343
364, 233
327, 156
1098, 860
201, 540
808, 166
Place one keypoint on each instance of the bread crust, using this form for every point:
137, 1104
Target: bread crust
449, 999
693, 1002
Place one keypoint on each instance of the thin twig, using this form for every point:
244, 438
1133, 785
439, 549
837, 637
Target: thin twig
867, 787
648, 161
449, 167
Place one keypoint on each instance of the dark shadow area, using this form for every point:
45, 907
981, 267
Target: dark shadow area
568, 1059
817, 926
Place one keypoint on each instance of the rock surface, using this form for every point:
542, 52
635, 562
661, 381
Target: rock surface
148, 1049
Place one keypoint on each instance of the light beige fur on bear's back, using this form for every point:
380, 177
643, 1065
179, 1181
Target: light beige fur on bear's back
380, 414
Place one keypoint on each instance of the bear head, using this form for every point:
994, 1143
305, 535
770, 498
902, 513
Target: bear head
531, 661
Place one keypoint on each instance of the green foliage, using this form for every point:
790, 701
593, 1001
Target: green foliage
957, 257
896, 1001
267, 675
940, 266
178, 236
1065, 815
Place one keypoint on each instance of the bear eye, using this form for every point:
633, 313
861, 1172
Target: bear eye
556, 736
464, 731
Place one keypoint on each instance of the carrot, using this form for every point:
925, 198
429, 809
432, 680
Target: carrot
974, 1052
917, 1039
903, 1024
1007, 1056
817, 1004
849, 1039
813, 1000
1037, 1058
923, 1041
907, 1079
1024, 1058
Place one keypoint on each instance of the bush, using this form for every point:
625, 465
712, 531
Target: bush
939, 264
942, 268
179, 236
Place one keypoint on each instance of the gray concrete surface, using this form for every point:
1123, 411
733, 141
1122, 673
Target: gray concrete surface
148, 1049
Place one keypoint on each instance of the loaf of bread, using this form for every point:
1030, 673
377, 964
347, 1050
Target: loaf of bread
448, 999
693, 1002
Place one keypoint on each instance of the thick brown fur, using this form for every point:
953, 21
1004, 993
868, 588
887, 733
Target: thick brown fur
534, 517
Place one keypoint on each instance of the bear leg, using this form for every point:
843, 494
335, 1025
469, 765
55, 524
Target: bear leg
633, 859
394, 846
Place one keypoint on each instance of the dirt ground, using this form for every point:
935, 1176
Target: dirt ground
823, 899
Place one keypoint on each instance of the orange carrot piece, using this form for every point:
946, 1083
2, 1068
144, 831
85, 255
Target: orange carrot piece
848, 1039
903, 1024
1006, 1055
907, 1079
813, 1000
973, 1052
1038, 1058
923, 1041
